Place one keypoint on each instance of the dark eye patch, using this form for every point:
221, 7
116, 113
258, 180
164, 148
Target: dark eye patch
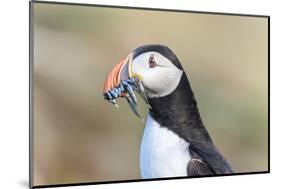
152, 62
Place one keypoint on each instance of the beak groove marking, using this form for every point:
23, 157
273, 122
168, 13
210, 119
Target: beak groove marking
115, 88
113, 79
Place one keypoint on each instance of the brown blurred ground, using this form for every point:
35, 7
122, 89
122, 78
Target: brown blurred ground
79, 137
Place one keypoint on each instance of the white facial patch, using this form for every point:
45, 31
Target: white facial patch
158, 81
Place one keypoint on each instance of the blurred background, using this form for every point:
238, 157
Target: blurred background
79, 137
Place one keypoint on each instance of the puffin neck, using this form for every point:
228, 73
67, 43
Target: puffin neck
178, 111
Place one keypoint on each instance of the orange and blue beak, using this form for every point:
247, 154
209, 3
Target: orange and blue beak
118, 73
121, 82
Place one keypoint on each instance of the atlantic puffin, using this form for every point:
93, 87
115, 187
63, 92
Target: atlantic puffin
175, 142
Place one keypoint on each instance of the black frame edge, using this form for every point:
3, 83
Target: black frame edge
31, 62
147, 180
268, 106
31, 52
149, 9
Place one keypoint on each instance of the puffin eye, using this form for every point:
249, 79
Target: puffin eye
152, 62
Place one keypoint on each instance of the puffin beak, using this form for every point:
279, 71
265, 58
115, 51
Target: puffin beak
118, 74
122, 82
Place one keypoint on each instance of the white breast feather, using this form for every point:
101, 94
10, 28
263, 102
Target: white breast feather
163, 153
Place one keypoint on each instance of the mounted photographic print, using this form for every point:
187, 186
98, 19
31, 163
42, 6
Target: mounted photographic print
121, 94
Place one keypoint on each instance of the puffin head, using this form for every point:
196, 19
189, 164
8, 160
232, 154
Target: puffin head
155, 69
158, 68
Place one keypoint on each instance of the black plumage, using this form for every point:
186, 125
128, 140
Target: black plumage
179, 113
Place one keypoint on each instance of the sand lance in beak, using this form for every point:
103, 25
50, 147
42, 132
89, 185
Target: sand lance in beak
122, 83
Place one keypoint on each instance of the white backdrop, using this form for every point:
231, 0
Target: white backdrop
14, 89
